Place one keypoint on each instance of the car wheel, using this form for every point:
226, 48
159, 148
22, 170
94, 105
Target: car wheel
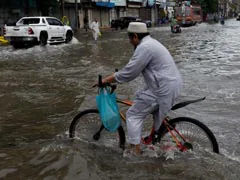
69, 37
16, 45
43, 39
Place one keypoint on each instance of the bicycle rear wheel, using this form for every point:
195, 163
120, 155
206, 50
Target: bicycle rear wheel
86, 126
197, 134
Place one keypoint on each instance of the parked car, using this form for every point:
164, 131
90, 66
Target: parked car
123, 22
37, 30
238, 17
148, 23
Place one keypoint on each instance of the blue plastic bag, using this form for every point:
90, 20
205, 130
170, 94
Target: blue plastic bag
108, 108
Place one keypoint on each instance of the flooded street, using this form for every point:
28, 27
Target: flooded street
43, 88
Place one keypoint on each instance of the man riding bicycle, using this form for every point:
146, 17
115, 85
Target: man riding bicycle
173, 22
162, 78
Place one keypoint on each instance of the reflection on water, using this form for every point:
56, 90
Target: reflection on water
42, 88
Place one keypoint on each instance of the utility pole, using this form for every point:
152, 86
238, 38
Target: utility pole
167, 9
156, 13
225, 14
76, 14
62, 6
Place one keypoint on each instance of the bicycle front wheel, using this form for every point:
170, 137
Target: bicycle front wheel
87, 126
196, 134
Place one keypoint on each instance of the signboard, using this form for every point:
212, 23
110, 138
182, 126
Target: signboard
140, 1
105, 4
116, 2
119, 2
150, 3
162, 3
71, 1
169, 4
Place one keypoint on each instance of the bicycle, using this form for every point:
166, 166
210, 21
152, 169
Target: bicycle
187, 133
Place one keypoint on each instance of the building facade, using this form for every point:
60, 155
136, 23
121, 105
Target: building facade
103, 10
76, 10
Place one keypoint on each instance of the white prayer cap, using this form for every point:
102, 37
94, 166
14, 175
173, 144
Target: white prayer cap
137, 27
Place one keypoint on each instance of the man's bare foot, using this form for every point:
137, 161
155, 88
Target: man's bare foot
136, 149
132, 151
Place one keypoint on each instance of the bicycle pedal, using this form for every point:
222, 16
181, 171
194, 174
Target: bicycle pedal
151, 147
155, 138
188, 145
147, 140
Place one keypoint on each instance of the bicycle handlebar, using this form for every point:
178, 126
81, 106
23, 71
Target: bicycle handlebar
101, 85
104, 85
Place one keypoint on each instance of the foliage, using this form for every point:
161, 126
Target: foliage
208, 6
43, 6
47, 7
47, 3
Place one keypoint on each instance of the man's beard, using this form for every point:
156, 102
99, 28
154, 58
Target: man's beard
135, 47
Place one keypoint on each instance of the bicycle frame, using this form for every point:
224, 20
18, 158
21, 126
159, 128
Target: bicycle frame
165, 120
168, 126
125, 102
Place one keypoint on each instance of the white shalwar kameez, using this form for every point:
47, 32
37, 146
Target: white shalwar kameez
163, 84
95, 30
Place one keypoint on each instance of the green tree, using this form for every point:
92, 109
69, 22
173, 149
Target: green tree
208, 6
11, 3
48, 7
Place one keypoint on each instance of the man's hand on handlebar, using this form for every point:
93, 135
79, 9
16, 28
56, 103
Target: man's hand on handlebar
108, 79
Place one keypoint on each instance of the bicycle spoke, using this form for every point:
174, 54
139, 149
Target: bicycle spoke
192, 133
87, 129
87, 126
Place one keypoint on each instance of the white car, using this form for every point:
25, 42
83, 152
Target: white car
38, 30
238, 17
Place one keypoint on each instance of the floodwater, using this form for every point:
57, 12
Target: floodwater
43, 88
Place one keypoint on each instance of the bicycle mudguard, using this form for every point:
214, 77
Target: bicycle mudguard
185, 103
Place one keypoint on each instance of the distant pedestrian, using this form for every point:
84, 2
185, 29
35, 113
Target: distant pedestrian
222, 19
85, 21
95, 29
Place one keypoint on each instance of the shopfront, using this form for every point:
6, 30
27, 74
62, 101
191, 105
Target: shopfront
133, 7
102, 12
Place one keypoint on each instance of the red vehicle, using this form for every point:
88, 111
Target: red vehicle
188, 15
